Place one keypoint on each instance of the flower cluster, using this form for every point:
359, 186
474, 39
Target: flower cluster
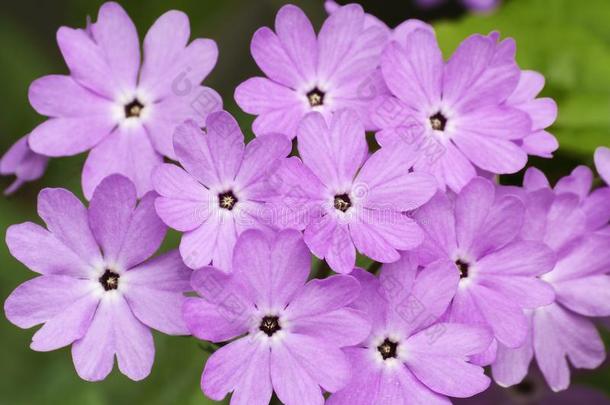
442, 270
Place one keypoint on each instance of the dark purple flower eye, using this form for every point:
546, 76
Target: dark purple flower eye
462, 267
227, 200
269, 325
133, 109
342, 202
438, 121
109, 280
388, 349
315, 97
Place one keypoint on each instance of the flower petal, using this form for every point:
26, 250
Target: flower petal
364, 384
62, 96
321, 296
602, 163
332, 241
322, 361
491, 154
273, 60
378, 233
41, 299
86, 62
527, 292
126, 152
42, 252
387, 182
117, 38
500, 122
332, 151
291, 381
185, 204
67, 326
336, 37
67, 220
261, 157
208, 321
414, 72
418, 303
437, 220
298, 39
512, 365
290, 266
242, 366
520, 258
450, 376
159, 309
110, 214
169, 71
471, 209
135, 349
195, 104
589, 296
342, 327
144, 235
213, 158
93, 355
127, 234
252, 263
474, 76
506, 319
579, 182
70, 136
300, 195
197, 247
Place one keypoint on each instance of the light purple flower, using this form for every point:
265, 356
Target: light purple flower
399, 33
594, 203
561, 331
410, 357
542, 113
23, 163
123, 110
533, 391
222, 189
335, 70
479, 231
453, 114
346, 200
602, 163
289, 331
98, 290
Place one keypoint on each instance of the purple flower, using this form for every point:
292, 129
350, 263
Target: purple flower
24, 164
220, 192
602, 163
453, 114
542, 113
122, 110
533, 391
561, 331
289, 331
410, 357
98, 291
399, 33
479, 232
335, 70
594, 203
346, 200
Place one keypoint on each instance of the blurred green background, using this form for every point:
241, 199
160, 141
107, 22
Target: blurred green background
567, 40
